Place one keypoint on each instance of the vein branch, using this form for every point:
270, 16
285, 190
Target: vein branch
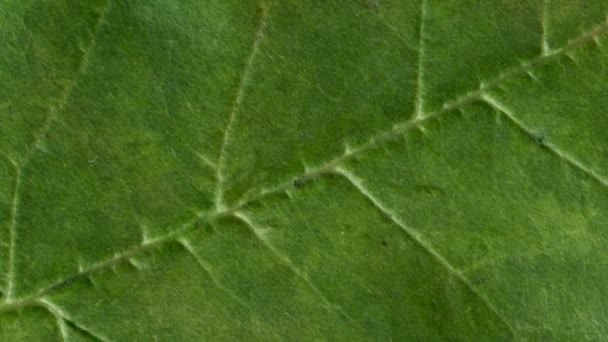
545, 27
9, 159
420, 72
146, 245
234, 108
207, 269
418, 240
62, 319
496, 261
284, 259
206, 161
549, 146
37, 142
12, 235
415, 122
327, 168
65, 95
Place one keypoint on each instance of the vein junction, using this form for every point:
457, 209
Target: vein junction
21, 163
332, 166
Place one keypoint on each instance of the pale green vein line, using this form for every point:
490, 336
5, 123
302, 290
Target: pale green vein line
62, 318
328, 167
207, 269
497, 260
206, 161
546, 48
419, 240
61, 324
82, 67
349, 154
415, 122
395, 31
37, 141
9, 159
420, 72
550, 147
146, 245
284, 259
16, 304
240, 92
12, 230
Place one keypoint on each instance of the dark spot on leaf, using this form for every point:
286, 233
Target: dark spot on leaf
66, 282
260, 13
299, 182
384, 243
540, 139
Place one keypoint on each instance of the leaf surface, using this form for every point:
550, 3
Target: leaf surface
367, 170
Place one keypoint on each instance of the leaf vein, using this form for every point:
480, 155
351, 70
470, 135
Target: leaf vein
39, 136
63, 99
62, 318
549, 146
546, 48
418, 240
284, 259
401, 128
146, 245
207, 269
8, 158
12, 234
326, 168
234, 108
420, 68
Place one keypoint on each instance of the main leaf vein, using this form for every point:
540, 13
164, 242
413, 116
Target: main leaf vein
328, 167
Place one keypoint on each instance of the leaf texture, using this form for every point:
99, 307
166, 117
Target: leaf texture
303, 170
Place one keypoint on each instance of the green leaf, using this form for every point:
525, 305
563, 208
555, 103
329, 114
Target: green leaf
303, 170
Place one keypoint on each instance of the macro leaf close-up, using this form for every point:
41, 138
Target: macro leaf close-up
281, 170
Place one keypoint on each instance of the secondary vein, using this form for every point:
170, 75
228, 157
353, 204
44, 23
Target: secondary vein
420, 71
418, 240
329, 167
550, 147
19, 165
12, 235
240, 92
63, 99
